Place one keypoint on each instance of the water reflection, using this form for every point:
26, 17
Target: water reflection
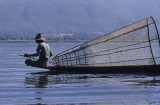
146, 81
95, 88
37, 81
47, 80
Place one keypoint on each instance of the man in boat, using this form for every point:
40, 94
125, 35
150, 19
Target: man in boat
43, 51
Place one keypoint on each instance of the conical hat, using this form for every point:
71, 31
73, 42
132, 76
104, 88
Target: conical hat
39, 37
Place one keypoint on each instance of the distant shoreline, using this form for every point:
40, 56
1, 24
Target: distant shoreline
45, 41
68, 41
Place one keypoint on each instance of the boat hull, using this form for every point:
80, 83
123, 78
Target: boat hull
111, 69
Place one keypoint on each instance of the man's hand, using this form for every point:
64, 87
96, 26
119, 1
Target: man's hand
26, 55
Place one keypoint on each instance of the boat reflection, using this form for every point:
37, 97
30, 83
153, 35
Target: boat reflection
37, 81
47, 80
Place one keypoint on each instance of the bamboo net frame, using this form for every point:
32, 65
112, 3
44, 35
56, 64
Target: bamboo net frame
135, 44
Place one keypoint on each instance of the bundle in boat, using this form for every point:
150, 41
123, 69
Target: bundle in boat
133, 45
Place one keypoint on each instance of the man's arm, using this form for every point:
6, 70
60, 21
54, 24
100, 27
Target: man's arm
36, 54
51, 54
29, 55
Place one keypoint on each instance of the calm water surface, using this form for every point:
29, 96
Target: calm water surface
22, 85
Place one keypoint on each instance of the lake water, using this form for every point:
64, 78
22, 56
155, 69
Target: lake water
22, 85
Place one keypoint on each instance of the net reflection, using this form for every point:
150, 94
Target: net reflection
37, 81
46, 80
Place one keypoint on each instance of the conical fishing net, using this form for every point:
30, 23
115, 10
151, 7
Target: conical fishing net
136, 44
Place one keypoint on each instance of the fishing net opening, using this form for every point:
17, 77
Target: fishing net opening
136, 44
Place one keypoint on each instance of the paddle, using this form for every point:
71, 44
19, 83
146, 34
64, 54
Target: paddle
36, 58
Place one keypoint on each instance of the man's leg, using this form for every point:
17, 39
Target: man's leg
29, 62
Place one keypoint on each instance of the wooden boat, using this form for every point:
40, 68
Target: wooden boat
132, 49
145, 69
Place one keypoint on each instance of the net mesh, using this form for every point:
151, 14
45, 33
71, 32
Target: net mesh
136, 44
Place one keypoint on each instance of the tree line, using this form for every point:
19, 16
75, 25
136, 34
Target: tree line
54, 36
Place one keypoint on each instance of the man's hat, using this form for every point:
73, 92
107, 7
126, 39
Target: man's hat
39, 36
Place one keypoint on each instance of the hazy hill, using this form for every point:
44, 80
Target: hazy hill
77, 19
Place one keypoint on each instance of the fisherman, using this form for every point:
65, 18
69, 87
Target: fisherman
43, 51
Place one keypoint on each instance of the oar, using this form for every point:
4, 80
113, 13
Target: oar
37, 59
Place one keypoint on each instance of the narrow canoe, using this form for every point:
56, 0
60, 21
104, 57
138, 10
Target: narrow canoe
112, 69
